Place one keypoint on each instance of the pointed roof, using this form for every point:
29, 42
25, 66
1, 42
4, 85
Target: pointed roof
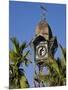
38, 39
41, 26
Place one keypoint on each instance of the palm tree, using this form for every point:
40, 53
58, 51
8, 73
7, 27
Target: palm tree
17, 55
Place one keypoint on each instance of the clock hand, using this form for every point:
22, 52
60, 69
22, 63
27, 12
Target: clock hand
41, 51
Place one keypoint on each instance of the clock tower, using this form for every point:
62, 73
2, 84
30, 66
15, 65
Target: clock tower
45, 43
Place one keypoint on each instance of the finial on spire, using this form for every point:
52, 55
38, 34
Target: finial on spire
43, 12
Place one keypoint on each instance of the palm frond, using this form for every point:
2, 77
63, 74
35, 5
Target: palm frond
24, 82
63, 51
22, 47
15, 44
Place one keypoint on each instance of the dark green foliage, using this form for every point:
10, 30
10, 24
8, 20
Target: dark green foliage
17, 56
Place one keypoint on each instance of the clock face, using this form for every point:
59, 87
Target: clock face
41, 51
